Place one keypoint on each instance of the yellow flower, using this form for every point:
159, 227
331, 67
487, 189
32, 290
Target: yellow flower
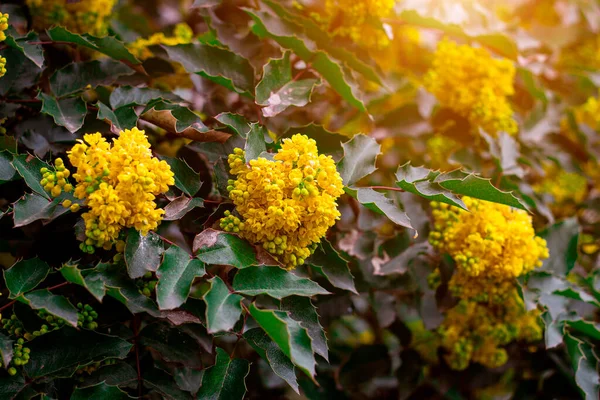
117, 183
357, 20
470, 82
139, 48
3, 26
286, 204
568, 189
82, 16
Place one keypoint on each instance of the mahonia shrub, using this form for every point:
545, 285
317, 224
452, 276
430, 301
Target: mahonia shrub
257, 199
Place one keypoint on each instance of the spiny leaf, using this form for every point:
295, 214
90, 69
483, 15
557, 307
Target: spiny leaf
6, 349
186, 179
25, 275
68, 112
275, 282
74, 275
255, 145
35, 52
226, 380
184, 117
128, 96
142, 253
76, 77
121, 118
29, 168
223, 309
302, 310
33, 207
215, 247
360, 155
100, 391
381, 204
180, 206
53, 304
585, 365
236, 122
175, 277
333, 266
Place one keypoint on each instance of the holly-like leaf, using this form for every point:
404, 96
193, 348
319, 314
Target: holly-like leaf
272, 354
401, 263
35, 52
141, 96
25, 275
108, 45
267, 25
333, 266
236, 122
562, 242
226, 380
289, 335
381, 204
76, 77
180, 206
302, 310
68, 112
275, 282
163, 385
172, 343
255, 145
186, 179
223, 309
360, 155
588, 328
184, 117
29, 168
121, 118
33, 207
142, 253
585, 365
7, 171
61, 352
53, 304
278, 90
215, 247
94, 285
175, 277
6, 349
217, 64
100, 391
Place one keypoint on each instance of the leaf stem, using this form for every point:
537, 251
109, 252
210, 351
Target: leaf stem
395, 189
10, 303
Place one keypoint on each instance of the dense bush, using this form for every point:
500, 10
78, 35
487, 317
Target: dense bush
366, 199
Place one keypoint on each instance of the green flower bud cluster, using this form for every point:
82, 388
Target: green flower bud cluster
231, 223
147, 284
460, 356
86, 317
434, 279
20, 356
56, 181
13, 326
55, 322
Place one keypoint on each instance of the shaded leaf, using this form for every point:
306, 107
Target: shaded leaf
360, 155
180, 206
7, 171
562, 241
172, 343
29, 168
302, 310
381, 204
175, 276
122, 118
236, 122
215, 247
33, 207
76, 77
186, 179
142, 253
223, 309
100, 391
128, 96
275, 282
184, 117
6, 349
226, 380
34, 52
255, 145
53, 304
74, 275
25, 275
585, 365
164, 384
333, 266
68, 112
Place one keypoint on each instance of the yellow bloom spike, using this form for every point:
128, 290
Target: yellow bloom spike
286, 204
82, 16
3, 26
470, 82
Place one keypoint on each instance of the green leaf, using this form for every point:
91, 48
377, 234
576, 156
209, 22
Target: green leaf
25, 275
108, 45
129, 96
186, 179
302, 310
562, 242
100, 391
236, 122
275, 282
184, 117
588, 328
11, 386
74, 275
7, 171
418, 180
333, 71
333, 266
6, 349
33, 207
21, 73
255, 145
164, 385
188, 379
289, 335
173, 344
381, 204
216, 247
360, 155
29, 168
585, 365
53, 304
180, 206
272, 354
223, 309
76, 77
226, 380
217, 64
400, 264
69, 112
142, 253
175, 277
35, 52
60, 352
278, 90
122, 118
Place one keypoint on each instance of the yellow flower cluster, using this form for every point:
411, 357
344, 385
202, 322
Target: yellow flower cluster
182, 34
491, 244
585, 53
286, 204
3, 27
118, 184
476, 332
568, 190
470, 82
82, 16
357, 20
55, 181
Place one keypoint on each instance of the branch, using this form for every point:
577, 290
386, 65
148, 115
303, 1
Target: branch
166, 120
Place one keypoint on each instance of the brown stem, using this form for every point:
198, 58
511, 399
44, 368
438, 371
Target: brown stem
135, 323
10, 303
385, 188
